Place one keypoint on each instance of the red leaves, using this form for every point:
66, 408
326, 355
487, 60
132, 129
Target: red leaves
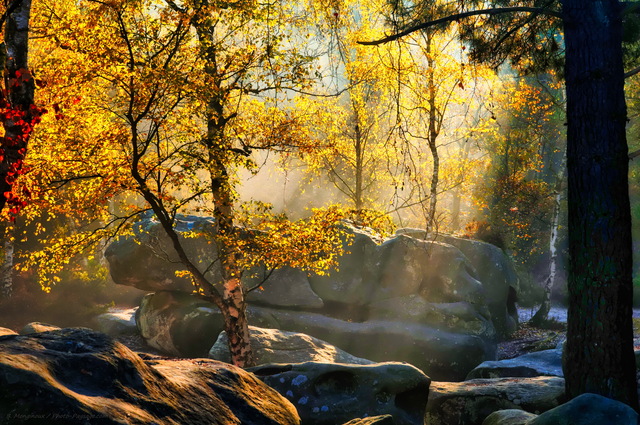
58, 111
21, 75
16, 203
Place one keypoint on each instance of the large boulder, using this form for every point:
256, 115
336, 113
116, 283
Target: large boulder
285, 287
355, 280
78, 376
442, 355
329, 394
117, 322
538, 363
148, 261
183, 325
491, 267
421, 297
588, 409
458, 317
437, 272
470, 402
275, 346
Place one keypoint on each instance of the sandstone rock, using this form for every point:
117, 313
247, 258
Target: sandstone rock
538, 363
329, 394
470, 402
357, 275
148, 261
36, 327
442, 355
509, 417
116, 323
284, 287
437, 272
494, 269
374, 420
588, 409
458, 317
178, 324
78, 376
274, 346
7, 331
184, 325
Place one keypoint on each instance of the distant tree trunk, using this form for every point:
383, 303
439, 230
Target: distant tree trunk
455, 210
18, 97
599, 355
359, 171
6, 271
434, 132
543, 312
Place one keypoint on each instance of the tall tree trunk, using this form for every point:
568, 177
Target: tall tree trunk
599, 355
18, 96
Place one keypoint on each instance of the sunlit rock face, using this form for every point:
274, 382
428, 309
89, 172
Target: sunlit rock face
78, 376
329, 394
491, 267
439, 305
276, 346
148, 261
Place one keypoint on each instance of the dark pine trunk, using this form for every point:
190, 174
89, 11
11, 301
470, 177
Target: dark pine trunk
599, 354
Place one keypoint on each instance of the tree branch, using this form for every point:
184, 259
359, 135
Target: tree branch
631, 73
458, 16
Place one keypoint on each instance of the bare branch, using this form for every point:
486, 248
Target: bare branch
632, 72
458, 16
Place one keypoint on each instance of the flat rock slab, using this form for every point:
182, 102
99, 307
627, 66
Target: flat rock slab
79, 377
275, 346
330, 394
538, 363
470, 402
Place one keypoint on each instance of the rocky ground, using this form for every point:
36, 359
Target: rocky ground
527, 339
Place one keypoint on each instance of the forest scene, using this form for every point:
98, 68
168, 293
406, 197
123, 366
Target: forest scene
335, 212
